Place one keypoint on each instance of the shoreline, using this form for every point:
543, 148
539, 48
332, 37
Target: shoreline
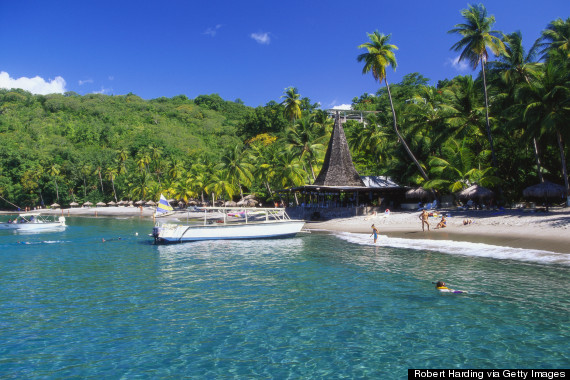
509, 228
512, 228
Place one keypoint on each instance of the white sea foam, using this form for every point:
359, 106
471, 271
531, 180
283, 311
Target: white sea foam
462, 248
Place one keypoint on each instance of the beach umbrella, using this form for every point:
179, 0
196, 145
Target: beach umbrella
88, 204
130, 203
121, 203
55, 205
251, 202
419, 193
73, 204
545, 190
101, 204
476, 192
139, 203
230, 204
111, 203
150, 203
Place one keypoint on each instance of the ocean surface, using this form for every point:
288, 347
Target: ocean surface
318, 306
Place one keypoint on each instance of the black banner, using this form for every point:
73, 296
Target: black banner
480, 374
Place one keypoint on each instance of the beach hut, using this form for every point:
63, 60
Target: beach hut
546, 191
101, 204
419, 193
87, 204
73, 204
55, 205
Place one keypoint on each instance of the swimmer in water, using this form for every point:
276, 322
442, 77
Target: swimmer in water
440, 285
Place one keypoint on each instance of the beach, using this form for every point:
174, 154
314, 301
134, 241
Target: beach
548, 231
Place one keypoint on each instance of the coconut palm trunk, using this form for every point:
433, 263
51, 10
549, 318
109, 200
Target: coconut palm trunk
406, 147
487, 124
563, 159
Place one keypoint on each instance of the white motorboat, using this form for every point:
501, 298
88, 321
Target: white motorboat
34, 222
225, 223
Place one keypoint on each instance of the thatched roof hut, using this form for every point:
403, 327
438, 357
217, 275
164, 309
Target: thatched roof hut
101, 204
476, 192
338, 169
112, 203
73, 204
55, 205
87, 204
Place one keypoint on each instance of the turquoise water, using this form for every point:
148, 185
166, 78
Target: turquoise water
316, 306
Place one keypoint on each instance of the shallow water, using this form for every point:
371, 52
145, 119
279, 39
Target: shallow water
316, 306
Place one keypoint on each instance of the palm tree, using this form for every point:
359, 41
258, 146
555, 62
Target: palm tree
380, 55
458, 169
555, 38
291, 103
476, 37
303, 141
547, 110
517, 68
111, 175
54, 171
239, 171
220, 185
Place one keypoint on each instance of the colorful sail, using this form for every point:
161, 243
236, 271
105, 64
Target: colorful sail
163, 205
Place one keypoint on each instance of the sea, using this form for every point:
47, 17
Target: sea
101, 301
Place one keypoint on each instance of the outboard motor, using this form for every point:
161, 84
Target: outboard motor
155, 233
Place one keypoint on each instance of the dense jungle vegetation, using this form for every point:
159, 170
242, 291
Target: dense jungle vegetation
507, 128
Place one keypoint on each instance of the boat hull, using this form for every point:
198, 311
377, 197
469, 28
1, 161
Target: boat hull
31, 226
261, 230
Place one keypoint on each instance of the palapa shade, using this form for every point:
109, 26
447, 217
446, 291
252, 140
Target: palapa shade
150, 203
230, 204
544, 190
73, 204
111, 203
55, 205
476, 192
139, 203
419, 193
87, 204
101, 204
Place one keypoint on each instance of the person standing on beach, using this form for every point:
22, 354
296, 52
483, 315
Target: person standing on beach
375, 232
424, 216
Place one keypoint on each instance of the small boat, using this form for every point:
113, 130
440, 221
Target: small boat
163, 208
228, 223
34, 222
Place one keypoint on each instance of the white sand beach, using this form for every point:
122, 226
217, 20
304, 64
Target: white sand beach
549, 231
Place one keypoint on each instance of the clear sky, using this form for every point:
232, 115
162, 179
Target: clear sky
251, 50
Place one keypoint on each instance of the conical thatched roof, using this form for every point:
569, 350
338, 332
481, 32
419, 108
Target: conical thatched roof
55, 205
101, 204
74, 204
476, 192
338, 169
545, 189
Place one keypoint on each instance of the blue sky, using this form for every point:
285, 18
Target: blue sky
251, 50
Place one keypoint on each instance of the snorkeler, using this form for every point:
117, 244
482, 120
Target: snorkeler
440, 285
